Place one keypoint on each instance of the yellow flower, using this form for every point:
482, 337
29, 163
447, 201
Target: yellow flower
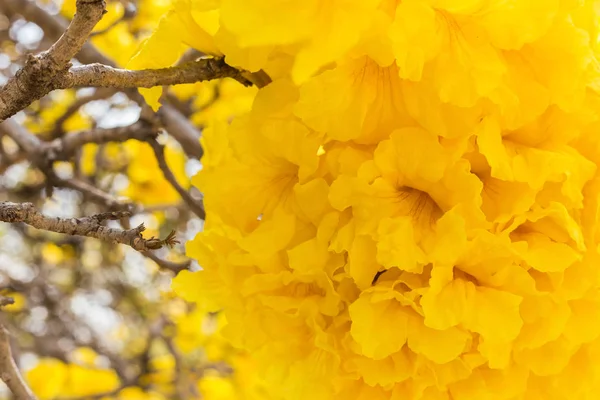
262, 180
177, 30
360, 101
410, 209
325, 31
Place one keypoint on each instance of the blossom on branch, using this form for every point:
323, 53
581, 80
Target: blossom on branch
409, 210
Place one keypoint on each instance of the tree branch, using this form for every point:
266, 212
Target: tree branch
33, 81
99, 75
194, 205
88, 14
168, 265
87, 226
53, 27
9, 372
63, 148
42, 154
173, 121
27, 141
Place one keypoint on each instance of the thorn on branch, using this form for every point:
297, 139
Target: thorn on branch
170, 240
156, 243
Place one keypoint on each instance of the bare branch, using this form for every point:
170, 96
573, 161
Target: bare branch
178, 380
194, 204
9, 372
88, 14
42, 154
87, 226
96, 195
63, 148
98, 75
173, 121
33, 81
27, 141
168, 265
53, 27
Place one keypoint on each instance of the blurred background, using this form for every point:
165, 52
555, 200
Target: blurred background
92, 319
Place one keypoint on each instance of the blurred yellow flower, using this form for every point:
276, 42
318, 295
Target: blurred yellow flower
216, 388
51, 378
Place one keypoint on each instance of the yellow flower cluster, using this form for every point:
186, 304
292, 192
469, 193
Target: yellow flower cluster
410, 210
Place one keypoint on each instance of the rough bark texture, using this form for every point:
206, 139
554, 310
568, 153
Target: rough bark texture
98, 75
87, 226
173, 121
35, 79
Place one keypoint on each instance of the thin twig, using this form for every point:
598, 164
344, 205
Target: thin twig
95, 194
27, 141
42, 154
194, 205
86, 226
63, 148
168, 265
179, 368
9, 372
